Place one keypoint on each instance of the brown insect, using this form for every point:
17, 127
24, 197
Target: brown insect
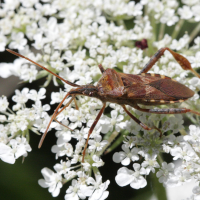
129, 89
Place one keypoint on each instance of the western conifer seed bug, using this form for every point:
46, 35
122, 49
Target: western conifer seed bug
129, 89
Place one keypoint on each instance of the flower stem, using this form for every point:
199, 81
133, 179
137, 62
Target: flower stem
194, 33
177, 28
10, 110
111, 137
160, 160
161, 32
158, 188
96, 171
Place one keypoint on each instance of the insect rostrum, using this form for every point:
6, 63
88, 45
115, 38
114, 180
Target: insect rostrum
129, 89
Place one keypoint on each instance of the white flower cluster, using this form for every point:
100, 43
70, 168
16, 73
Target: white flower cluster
71, 39
185, 148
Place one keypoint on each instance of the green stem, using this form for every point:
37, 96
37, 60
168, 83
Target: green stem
177, 28
118, 141
158, 189
110, 137
146, 10
120, 22
95, 171
153, 38
194, 33
10, 111
49, 78
153, 23
161, 32
160, 160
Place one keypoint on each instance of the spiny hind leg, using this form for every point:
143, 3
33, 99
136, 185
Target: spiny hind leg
167, 110
184, 63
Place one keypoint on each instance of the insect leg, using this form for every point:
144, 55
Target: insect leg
167, 110
92, 128
68, 103
184, 63
135, 119
76, 104
52, 118
101, 68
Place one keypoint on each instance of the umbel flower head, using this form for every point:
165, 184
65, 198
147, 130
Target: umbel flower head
71, 38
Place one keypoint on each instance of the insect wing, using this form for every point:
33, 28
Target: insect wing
172, 89
154, 87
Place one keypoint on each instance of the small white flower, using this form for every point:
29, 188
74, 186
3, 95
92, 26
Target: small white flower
52, 181
126, 155
130, 141
63, 134
21, 97
196, 43
6, 154
150, 163
109, 124
134, 178
131, 126
109, 62
96, 144
41, 124
195, 60
37, 96
40, 110
178, 45
174, 123
57, 97
98, 162
165, 172
185, 12
57, 65
180, 177
184, 153
74, 192
175, 141
19, 147
77, 118
3, 42
194, 134
169, 17
39, 41
63, 167
97, 189
6, 69
18, 41
195, 11
92, 42
32, 30
28, 73
65, 149
164, 42
3, 104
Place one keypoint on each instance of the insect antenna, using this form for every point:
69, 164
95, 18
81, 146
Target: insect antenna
56, 113
68, 82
